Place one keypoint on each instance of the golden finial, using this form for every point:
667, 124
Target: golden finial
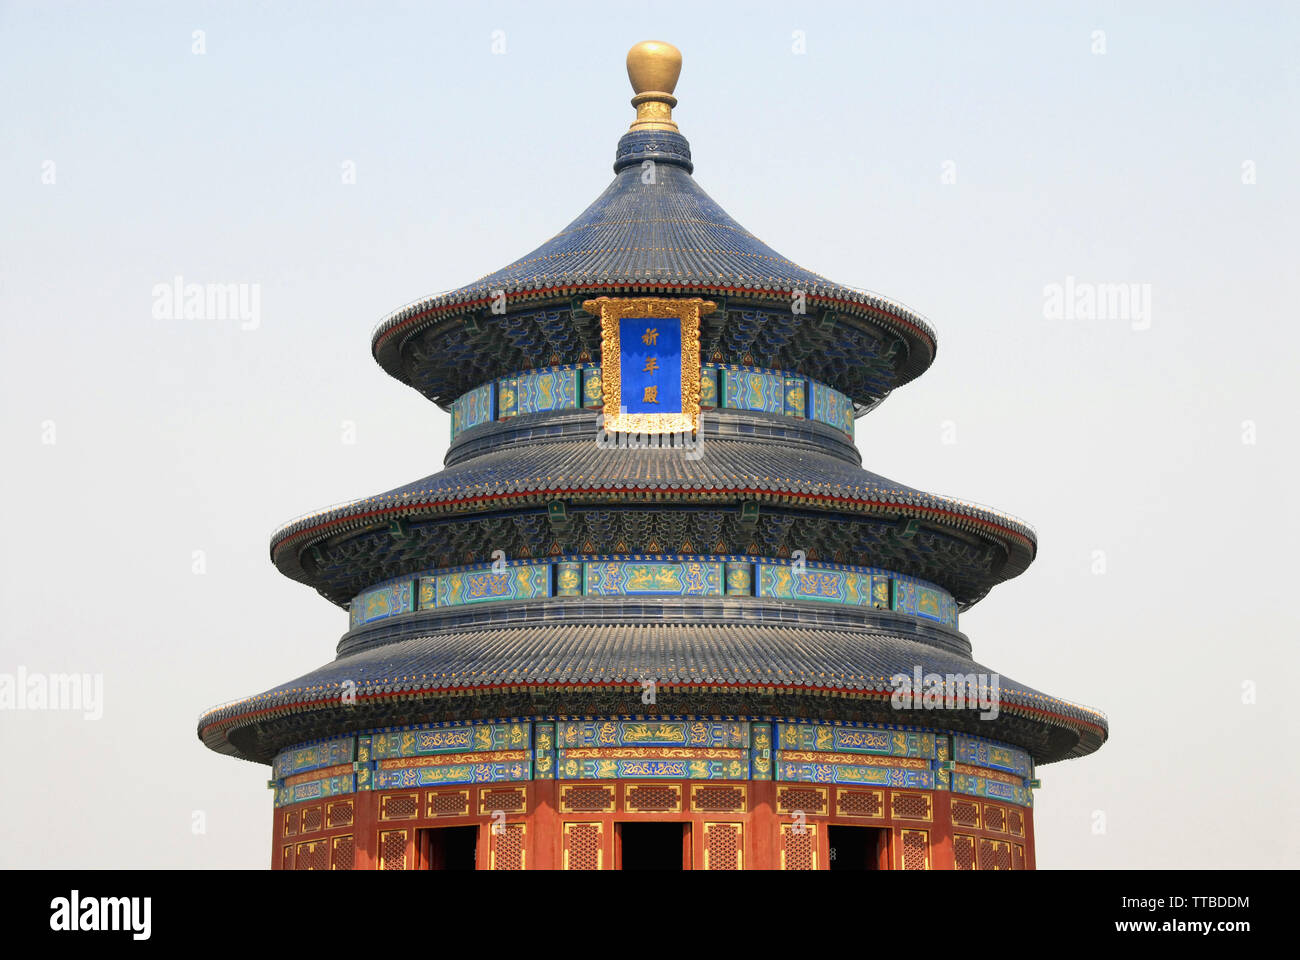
653, 67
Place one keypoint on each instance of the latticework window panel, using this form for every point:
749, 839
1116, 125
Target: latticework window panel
401, 806
312, 856
339, 814
392, 849
286, 857
652, 798
1017, 856
860, 803
798, 846
911, 806
915, 854
311, 819
343, 853
1016, 822
450, 803
1001, 855
291, 822
587, 799
809, 800
963, 852
724, 846
508, 846
717, 799
995, 855
512, 800
966, 813
995, 819
583, 846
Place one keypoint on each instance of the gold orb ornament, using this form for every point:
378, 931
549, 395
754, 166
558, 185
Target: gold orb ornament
653, 68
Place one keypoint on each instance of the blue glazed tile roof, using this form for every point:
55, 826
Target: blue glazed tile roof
668, 236
729, 467
829, 662
659, 234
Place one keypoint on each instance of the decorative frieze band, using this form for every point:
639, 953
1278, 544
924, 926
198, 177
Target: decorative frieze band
656, 576
661, 748
723, 386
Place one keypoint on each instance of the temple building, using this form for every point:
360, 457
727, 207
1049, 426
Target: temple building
653, 613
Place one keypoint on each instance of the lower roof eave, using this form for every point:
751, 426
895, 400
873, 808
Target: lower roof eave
329, 715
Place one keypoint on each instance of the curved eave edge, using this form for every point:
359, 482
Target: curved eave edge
1019, 541
213, 728
386, 341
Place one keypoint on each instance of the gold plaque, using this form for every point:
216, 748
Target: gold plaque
650, 370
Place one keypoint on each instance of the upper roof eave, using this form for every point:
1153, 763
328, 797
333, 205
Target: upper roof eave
669, 237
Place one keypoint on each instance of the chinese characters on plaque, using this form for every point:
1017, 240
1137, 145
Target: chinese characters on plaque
651, 364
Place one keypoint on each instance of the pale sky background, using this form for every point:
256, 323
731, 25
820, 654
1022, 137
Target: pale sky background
175, 436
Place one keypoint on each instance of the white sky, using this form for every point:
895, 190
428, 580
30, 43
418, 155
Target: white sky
175, 436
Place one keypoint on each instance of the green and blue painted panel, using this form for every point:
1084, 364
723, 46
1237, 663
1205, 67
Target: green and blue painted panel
876, 741
507, 397
651, 733
924, 601
782, 582
942, 752
740, 578
796, 397
761, 753
572, 768
382, 602
709, 387
593, 388
326, 753
547, 391
315, 789
982, 753
525, 582
830, 406
747, 390
453, 773
472, 409
976, 786
462, 738
854, 773
544, 751
690, 578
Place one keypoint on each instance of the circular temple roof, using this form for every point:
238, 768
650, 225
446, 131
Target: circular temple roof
533, 468
574, 669
653, 230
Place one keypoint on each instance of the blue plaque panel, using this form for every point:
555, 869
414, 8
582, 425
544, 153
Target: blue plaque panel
650, 364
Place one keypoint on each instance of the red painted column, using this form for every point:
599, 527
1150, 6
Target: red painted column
277, 842
544, 825
763, 835
941, 855
1031, 861
365, 824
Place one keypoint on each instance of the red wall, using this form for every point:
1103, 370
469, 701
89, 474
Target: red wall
551, 824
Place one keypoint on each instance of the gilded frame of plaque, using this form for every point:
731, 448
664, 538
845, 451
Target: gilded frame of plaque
611, 311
